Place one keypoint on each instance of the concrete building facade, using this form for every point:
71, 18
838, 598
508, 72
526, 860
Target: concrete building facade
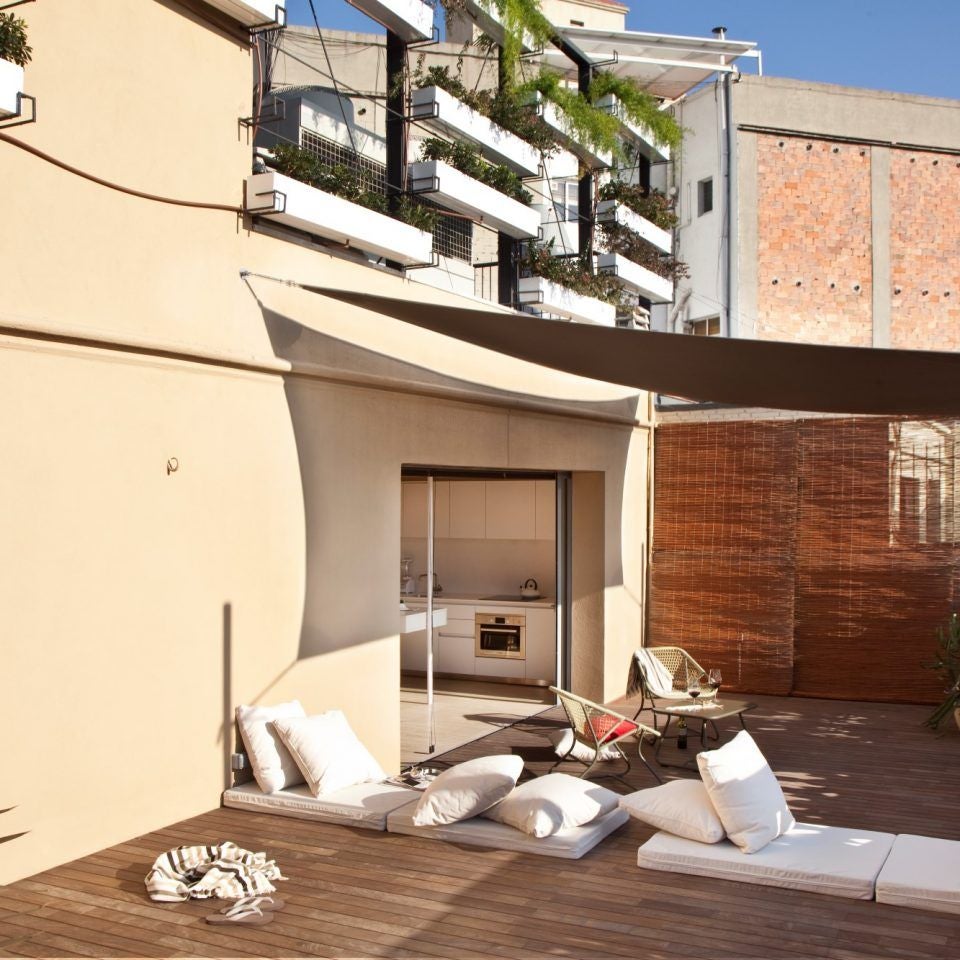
817, 213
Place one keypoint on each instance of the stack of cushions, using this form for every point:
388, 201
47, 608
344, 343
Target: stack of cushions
286, 748
486, 786
739, 798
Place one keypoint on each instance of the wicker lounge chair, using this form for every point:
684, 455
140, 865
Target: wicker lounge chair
666, 682
597, 727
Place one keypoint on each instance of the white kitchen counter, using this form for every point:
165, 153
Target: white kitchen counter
475, 600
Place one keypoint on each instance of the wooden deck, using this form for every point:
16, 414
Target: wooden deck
357, 893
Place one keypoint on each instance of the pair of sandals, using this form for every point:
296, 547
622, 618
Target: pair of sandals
250, 911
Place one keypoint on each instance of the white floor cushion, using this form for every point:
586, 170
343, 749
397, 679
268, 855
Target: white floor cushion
363, 805
681, 807
272, 764
745, 793
922, 872
569, 844
812, 857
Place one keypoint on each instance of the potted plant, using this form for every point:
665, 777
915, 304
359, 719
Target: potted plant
15, 54
947, 663
342, 204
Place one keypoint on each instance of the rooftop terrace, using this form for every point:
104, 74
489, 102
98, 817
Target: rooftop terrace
358, 893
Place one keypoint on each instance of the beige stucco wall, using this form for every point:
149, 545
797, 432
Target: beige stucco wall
139, 605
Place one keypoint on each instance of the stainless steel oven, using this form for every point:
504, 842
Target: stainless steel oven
501, 636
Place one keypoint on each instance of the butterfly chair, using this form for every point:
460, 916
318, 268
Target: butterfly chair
599, 728
663, 673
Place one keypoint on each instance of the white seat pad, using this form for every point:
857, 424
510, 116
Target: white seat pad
362, 805
570, 844
922, 872
833, 860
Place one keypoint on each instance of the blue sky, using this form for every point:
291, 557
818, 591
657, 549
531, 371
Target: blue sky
887, 45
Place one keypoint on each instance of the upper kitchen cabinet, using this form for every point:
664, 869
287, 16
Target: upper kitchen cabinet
546, 510
468, 509
511, 510
413, 514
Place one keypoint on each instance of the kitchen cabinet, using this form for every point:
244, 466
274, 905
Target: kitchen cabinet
541, 662
511, 510
546, 510
496, 667
413, 509
455, 653
468, 509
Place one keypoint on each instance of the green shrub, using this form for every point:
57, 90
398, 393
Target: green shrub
573, 273
649, 204
13, 40
467, 160
639, 106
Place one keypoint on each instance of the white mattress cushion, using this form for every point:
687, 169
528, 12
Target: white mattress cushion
480, 832
328, 753
681, 807
363, 805
833, 860
745, 793
468, 789
546, 805
272, 764
922, 872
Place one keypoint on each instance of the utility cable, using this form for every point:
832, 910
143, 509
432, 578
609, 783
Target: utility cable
116, 186
336, 88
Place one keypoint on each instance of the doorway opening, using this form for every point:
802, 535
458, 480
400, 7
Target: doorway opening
484, 578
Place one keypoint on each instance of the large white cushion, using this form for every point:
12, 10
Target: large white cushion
467, 789
745, 793
272, 764
834, 860
681, 807
546, 805
922, 872
328, 752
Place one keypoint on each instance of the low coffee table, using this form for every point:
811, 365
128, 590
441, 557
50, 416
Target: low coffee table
683, 711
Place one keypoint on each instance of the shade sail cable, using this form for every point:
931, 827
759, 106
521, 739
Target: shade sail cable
756, 373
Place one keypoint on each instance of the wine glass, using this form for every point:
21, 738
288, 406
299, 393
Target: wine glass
693, 687
714, 678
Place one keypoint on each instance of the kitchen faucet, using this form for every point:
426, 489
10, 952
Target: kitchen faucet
436, 585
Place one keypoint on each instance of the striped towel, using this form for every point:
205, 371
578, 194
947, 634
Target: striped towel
216, 870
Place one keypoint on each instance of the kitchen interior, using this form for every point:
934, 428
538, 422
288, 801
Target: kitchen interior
495, 587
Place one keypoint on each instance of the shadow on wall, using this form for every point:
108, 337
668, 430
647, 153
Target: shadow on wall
350, 444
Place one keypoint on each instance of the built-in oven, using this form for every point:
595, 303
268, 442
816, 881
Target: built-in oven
501, 636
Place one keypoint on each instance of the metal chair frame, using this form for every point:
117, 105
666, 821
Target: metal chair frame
585, 716
681, 667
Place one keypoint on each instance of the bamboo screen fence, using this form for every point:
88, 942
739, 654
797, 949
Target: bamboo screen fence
815, 557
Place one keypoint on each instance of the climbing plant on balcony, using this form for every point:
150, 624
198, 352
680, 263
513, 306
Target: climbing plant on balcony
574, 273
587, 123
467, 160
349, 183
648, 203
618, 238
13, 40
639, 107
502, 106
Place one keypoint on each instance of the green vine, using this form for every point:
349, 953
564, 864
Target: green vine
350, 184
650, 204
574, 273
467, 160
639, 106
587, 124
503, 107
620, 239
13, 40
